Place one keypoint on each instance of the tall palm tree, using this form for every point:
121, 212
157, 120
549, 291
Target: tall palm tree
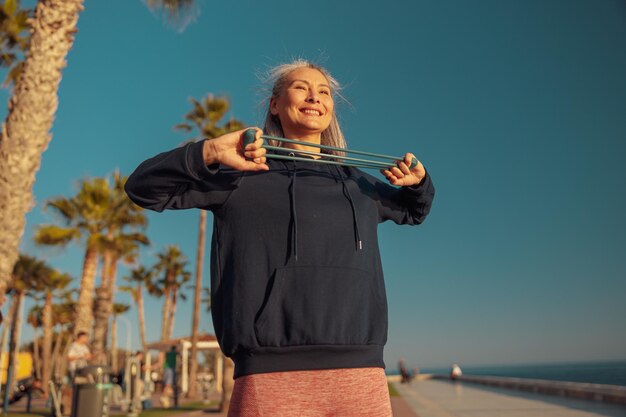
118, 309
5, 328
140, 277
28, 273
171, 263
26, 132
43, 316
177, 294
54, 286
34, 319
204, 117
118, 244
62, 319
32, 107
85, 216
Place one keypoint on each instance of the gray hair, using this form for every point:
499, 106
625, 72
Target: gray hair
276, 77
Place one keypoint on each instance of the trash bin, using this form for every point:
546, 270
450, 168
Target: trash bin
91, 391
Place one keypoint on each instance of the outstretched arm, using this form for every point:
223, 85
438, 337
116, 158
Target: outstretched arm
411, 202
196, 175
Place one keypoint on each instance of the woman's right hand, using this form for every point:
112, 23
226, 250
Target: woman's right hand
227, 150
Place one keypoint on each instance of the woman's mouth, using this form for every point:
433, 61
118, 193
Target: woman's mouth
311, 112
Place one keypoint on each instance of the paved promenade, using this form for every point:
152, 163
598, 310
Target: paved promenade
434, 398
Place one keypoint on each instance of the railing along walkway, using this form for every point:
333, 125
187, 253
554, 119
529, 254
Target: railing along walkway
441, 398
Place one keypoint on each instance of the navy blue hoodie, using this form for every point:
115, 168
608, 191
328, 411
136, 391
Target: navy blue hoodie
296, 275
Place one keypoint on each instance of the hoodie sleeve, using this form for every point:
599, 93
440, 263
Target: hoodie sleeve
179, 179
404, 205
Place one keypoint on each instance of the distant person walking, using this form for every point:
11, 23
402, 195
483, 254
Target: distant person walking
169, 376
404, 372
455, 372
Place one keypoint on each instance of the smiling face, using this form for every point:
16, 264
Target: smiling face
304, 105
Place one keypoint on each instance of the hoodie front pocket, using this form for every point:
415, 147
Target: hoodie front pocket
322, 305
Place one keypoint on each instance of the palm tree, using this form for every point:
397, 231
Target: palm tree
118, 309
206, 298
118, 244
7, 324
177, 294
50, 286
85, 216
26, 131
28, 273
140, 277
178, 13
14, 38
171, 263
54, 285
204, 117
62, 317
34, 319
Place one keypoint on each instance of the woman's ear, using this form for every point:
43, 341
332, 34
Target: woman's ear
273, 108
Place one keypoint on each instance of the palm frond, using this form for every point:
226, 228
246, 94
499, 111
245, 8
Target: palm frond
206, 298
206, 115
55, 235
185, 127
130, 290
65, 207
119, 308
13, 75
177, 13
30, 273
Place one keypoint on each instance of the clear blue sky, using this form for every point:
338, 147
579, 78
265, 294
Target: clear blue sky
517, 109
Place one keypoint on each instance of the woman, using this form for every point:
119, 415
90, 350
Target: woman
298, 297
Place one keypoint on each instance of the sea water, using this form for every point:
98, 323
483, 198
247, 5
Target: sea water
612, 373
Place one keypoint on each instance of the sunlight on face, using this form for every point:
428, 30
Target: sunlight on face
305, 105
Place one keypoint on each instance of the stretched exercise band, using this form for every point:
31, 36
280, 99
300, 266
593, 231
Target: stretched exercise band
249, 136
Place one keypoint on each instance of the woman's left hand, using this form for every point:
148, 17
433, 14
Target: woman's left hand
402, 175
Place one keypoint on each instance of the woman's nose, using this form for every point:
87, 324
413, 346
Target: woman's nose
313, 97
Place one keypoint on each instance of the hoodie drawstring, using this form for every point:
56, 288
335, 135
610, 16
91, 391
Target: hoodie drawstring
294, 214
294, 224
346, 192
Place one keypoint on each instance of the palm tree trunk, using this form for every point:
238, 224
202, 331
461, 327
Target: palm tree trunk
111, 293
46, 348
26, 131
103, 307
114, 345
14, 342
54, 360
142, 318
172, 313
36, 356
84, 305
5, 329
165, 313
197, 300
62, 364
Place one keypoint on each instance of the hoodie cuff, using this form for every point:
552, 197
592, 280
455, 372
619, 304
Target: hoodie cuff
195, 162
422, 185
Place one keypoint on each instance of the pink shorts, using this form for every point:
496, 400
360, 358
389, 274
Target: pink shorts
354, 392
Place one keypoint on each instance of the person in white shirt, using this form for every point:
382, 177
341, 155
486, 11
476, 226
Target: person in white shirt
78, 354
